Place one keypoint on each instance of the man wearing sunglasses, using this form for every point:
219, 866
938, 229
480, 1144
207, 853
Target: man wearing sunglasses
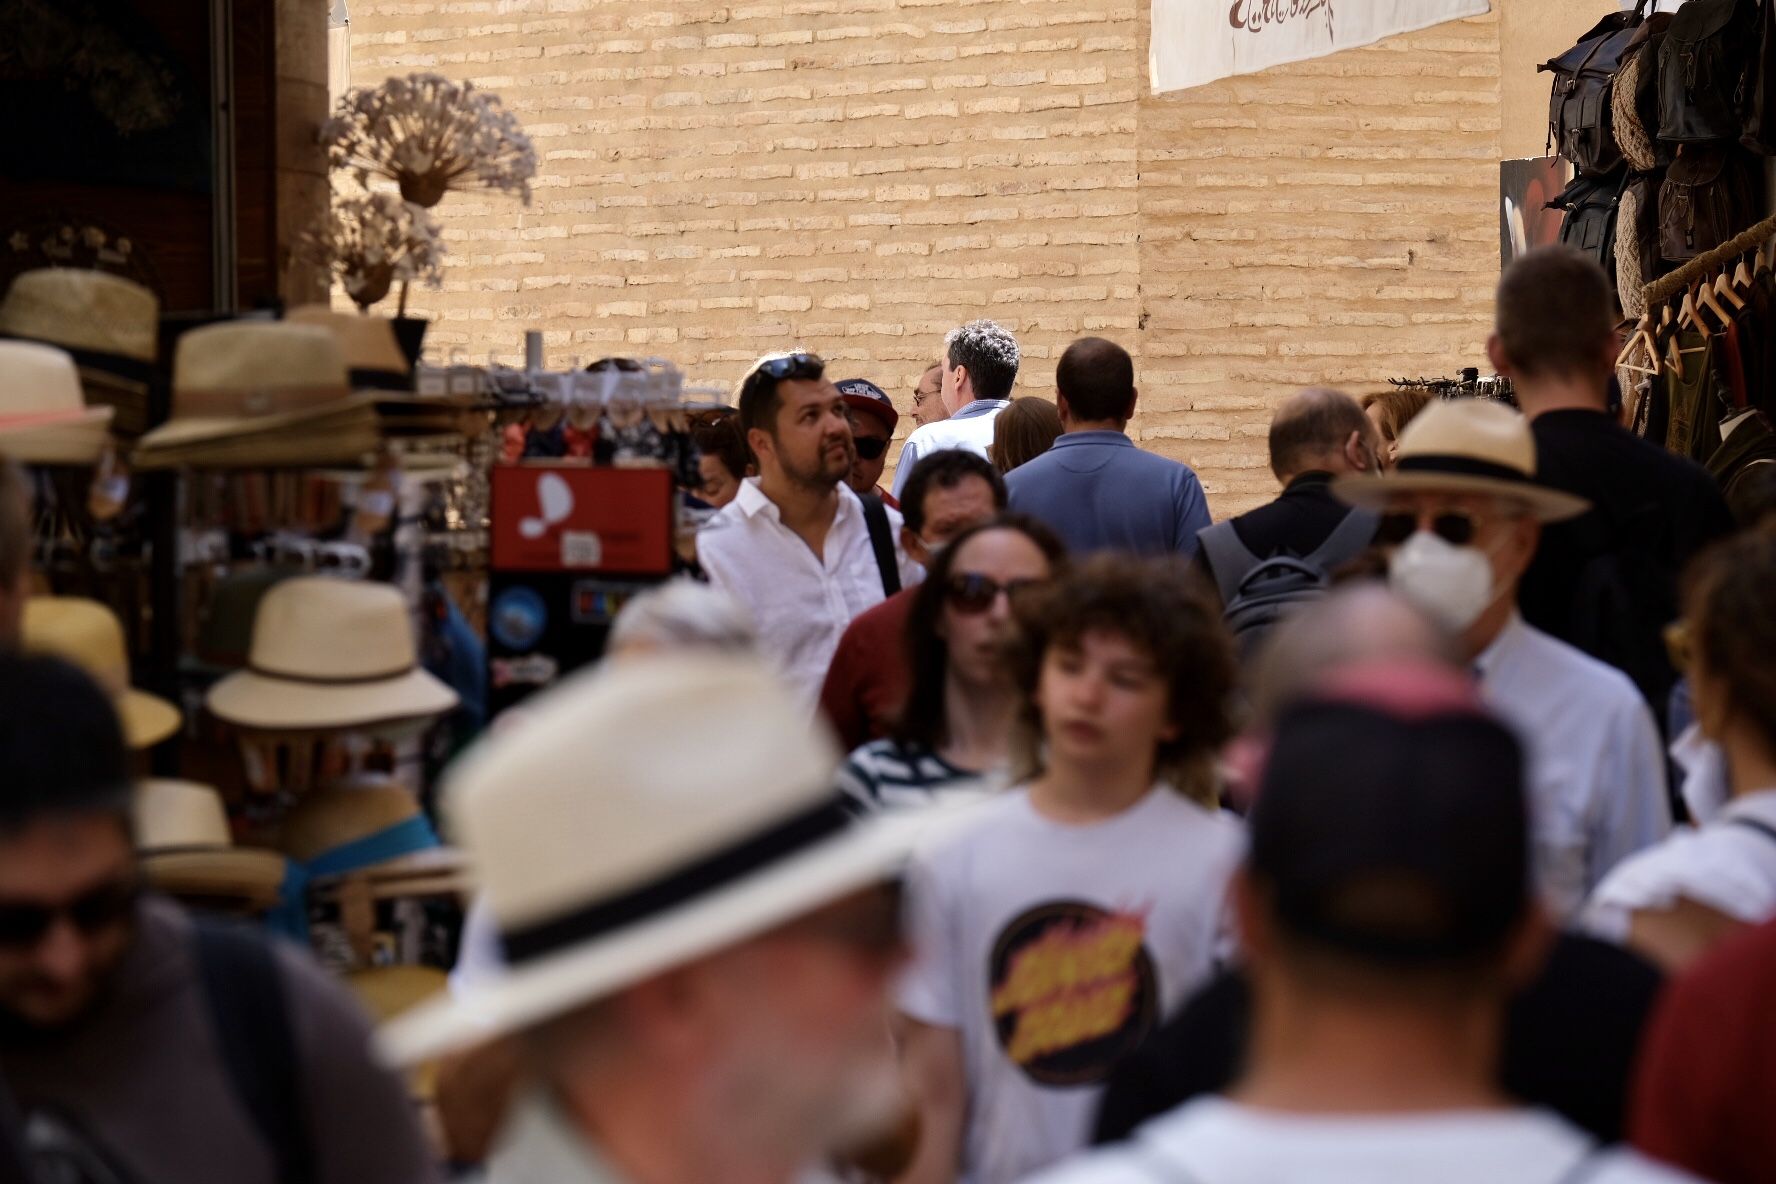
1461, 516
140, 1045
872, 426
802, 551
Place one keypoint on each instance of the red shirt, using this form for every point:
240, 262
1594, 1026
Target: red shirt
866, 685
1705, 1092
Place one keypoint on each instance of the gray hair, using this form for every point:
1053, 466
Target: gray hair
990, 353
679, 615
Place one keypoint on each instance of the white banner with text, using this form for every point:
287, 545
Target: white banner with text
1198, 41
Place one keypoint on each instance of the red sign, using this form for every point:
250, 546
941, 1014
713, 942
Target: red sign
574, 519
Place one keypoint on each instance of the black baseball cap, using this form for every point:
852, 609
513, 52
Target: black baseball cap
1391, 821
870, 399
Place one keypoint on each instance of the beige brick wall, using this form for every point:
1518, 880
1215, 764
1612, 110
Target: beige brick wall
857, 176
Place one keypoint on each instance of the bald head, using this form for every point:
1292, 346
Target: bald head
1095, 384
1360, 622
1320, 429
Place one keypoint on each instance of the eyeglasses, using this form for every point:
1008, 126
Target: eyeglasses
24, 926
921, 396
870, 447
971, 593
792, 366
1455, 528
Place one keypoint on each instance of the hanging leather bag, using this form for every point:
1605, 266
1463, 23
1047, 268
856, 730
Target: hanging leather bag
1759, 133
1709, 195
1580, 120
1590, 223
1705, 70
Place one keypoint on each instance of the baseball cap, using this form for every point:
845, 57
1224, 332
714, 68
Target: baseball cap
867, 397
1391, 821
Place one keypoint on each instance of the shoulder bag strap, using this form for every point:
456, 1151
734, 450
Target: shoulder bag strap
245, 996
875, 516
1348, 538
1229, 559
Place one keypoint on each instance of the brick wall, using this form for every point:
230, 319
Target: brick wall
857, 176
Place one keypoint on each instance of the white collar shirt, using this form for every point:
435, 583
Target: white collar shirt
800, 602
971, 429
1596, 767
1729, 865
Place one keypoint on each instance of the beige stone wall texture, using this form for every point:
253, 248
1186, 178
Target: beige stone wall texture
857, 176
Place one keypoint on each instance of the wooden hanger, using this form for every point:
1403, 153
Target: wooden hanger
1742, 276
1640, 339
1723, 288
1688, 317
1706, 298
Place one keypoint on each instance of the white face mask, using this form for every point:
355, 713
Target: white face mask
1450, 584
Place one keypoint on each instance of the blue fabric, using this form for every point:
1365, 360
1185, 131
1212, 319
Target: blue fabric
1099, 492
404, 838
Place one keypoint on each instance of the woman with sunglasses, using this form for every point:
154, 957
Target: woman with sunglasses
954, 734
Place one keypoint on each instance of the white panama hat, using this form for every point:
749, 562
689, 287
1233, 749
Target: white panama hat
637, 818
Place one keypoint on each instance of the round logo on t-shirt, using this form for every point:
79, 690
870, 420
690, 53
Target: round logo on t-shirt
1072, 990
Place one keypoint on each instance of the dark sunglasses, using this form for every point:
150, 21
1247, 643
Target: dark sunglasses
1455, 528
792, 366
24, 926
869, 447
972, 593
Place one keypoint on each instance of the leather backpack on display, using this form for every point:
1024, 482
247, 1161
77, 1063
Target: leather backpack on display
1759, 133
1705, 70
1580, 119
1709, 195
1591, 204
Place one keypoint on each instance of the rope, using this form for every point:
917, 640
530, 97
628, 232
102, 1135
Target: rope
1708, 263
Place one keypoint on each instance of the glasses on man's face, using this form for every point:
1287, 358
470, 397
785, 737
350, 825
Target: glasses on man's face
870, 447
24, 926
1454, 527
973, 593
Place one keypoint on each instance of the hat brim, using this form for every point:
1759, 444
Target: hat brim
147, 719
243, 873
519, 997
1374, 493
884, 415
435, 867
77, 439
253, 700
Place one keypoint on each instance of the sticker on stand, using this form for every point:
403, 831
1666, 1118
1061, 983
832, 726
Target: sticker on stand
533, 670
517, 618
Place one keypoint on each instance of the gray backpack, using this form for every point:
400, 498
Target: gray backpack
1257, 593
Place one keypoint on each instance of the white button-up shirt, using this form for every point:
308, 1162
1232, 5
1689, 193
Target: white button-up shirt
799, 602
1596, 766
1728, 865
971, 428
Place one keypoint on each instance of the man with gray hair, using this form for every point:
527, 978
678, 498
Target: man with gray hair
980, 364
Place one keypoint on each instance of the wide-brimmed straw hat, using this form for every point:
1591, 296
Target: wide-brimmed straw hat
44, 419
1465, 446
330, 654
109, 325
610, 849
186, 848
373, 356
89, 635
371, 827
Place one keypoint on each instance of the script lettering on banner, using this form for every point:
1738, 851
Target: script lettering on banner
1198, 41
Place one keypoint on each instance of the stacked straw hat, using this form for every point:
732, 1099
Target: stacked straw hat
89, 635
44, 418
109, 325
187, 850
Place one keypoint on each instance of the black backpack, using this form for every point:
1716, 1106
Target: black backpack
1759, 133
1710, 193
1580, 119
1257, 593
1591, 205
1705, 70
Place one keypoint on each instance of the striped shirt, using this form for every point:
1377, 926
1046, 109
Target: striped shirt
885, 775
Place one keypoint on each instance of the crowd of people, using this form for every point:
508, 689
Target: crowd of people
1018, 821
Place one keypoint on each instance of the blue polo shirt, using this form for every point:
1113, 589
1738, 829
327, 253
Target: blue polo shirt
1099, 492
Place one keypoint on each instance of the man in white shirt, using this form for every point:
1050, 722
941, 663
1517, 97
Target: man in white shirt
796, 546
1463, 517
980, 364
1386, 912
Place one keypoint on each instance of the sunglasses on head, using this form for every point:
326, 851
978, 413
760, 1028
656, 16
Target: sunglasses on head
971, 593
24, 926
1454, 527
792, 366
869, 447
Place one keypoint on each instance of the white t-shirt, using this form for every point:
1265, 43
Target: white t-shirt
970, 428
1215, 1141
1055, 950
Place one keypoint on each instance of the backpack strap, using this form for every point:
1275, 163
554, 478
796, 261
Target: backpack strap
1347, 540
246, 999
875, 516
1230, 560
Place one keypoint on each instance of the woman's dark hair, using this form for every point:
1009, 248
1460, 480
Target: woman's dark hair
1160, 609
1731, 622
923, 720
721, 439
1027, 428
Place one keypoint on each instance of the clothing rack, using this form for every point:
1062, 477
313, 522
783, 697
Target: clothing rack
1709, 262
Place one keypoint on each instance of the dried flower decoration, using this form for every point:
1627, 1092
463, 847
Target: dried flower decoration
430, 135
372, 241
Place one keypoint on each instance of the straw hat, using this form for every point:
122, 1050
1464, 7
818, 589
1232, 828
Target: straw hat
109, 324
329, 654
610, 850
1465, 446
187, 850
327, 820
44, 419
89, 635
372, 355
